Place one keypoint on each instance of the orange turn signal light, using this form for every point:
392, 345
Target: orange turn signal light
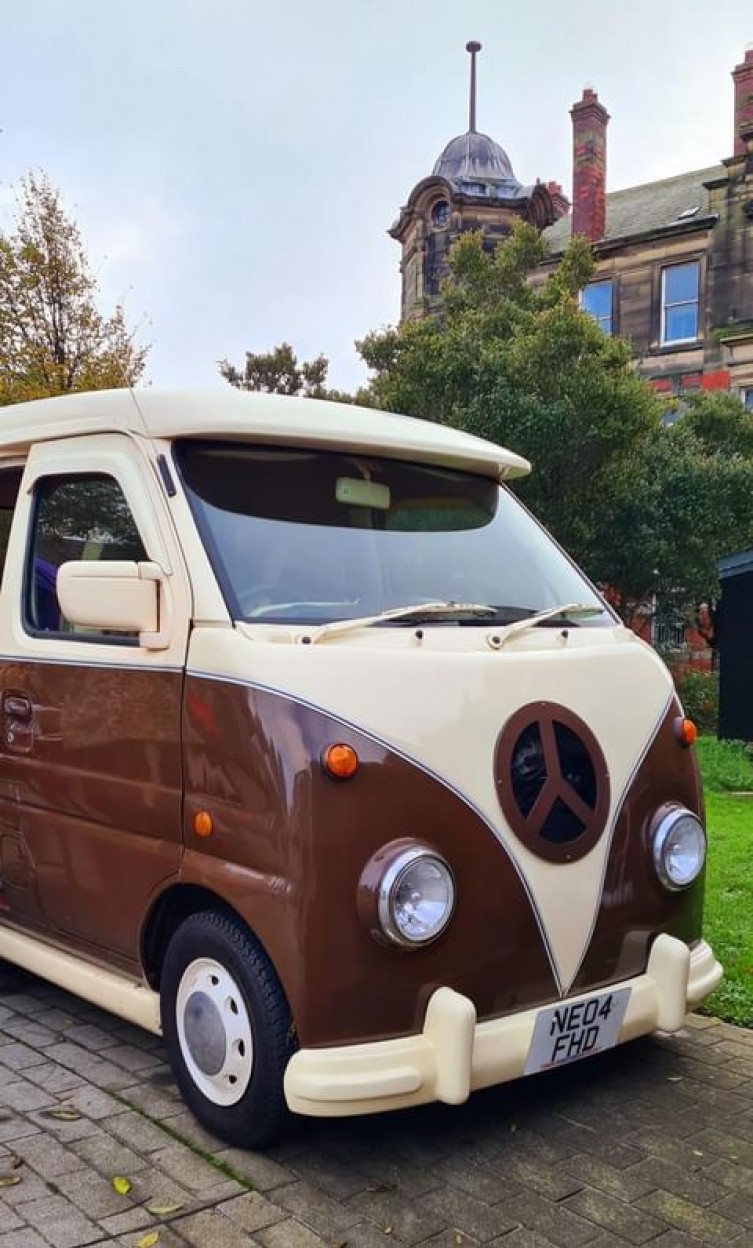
340, 761
203, 824
685, 731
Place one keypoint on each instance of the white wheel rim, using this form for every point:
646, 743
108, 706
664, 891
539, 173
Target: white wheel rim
214, 1031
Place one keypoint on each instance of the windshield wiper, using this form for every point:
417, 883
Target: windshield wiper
417, 611
540, 617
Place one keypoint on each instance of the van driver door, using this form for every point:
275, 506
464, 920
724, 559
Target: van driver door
90, 762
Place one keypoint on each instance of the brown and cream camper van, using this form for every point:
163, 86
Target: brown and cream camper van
320, 758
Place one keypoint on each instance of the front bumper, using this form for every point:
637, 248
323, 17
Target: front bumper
454, 1054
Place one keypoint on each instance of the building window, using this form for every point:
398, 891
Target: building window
747, 398
679, 303
596, 300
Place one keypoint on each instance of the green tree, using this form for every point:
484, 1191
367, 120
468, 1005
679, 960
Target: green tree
512, 358
53, 338
279, 372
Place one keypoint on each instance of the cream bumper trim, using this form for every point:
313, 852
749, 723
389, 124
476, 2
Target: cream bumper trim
454, 1054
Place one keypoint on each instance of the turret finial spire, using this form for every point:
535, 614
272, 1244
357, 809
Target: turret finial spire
473, 47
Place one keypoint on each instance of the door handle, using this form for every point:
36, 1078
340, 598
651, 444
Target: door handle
17, 705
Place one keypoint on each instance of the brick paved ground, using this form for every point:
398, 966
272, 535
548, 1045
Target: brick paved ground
650, 1144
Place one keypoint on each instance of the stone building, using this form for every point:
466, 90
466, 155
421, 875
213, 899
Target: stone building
472, 186
674, 258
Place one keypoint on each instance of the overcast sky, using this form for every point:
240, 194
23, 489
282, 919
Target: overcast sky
234, 165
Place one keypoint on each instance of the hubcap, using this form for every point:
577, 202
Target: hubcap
214, 1031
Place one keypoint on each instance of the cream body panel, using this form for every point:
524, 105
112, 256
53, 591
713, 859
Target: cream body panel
270, 419
442, 703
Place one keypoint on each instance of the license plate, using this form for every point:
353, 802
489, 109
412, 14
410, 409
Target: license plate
575, 1029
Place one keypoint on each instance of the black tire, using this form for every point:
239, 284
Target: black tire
201, 1008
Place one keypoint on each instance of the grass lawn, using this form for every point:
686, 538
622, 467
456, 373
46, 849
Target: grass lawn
728, 769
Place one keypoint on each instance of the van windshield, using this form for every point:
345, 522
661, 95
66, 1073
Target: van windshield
309, 537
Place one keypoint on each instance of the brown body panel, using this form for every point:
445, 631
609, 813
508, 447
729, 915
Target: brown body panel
252, 758
290, 846
90, 796
634, 906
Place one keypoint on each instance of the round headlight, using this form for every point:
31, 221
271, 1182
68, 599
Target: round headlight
416, 897
679, 849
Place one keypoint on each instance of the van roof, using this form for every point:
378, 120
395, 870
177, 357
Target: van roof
267, 418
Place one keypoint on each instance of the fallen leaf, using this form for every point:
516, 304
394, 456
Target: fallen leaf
162, 1211
121, 1185
388, 1230
64, 1115
697, 1152
148, 1240
674, 1078
9, 1180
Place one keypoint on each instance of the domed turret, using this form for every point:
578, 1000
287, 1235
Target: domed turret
471, 187
473, 156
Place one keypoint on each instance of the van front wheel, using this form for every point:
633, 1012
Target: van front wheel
227, 1029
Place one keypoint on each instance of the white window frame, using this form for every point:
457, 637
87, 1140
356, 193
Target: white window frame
600, 281
673, 342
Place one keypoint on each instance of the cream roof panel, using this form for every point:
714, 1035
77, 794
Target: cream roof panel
268, 418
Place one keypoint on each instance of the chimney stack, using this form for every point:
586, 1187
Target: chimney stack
742, 76
590, 120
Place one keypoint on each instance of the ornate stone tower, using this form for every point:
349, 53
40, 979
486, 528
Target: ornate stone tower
471, 187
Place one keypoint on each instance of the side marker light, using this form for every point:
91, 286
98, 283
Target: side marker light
340, 761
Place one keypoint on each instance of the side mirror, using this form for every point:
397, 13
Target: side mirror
118, 595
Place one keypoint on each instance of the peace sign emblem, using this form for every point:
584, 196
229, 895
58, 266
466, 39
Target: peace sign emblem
552, 781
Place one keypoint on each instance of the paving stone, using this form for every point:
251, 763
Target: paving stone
260, 1171
89, 1036
407, 1220
14, 1127
24, 1096
252, 1212
190, 1170
549, 1181
366, 1235
476, 1180
24, 1238
623, 1184
614, 1215
156, 1104
313, 1207
464, 1213
738, 1207
47, 1156
17, 1056
552, 1221
97, 1070
30, 1032
94, 1103
724, 1144
695, 1186
109, 1156
135, 1131
334, 1177
53, 1078
290, 1234
9, 1219
61, 1223
706, 1225
731, 1175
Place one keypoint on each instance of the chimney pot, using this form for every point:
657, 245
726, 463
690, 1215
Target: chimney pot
590, 121
742, 76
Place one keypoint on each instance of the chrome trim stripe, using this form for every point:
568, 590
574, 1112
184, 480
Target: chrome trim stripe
90, 662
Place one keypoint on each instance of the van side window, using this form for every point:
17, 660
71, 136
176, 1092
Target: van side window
83, 517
